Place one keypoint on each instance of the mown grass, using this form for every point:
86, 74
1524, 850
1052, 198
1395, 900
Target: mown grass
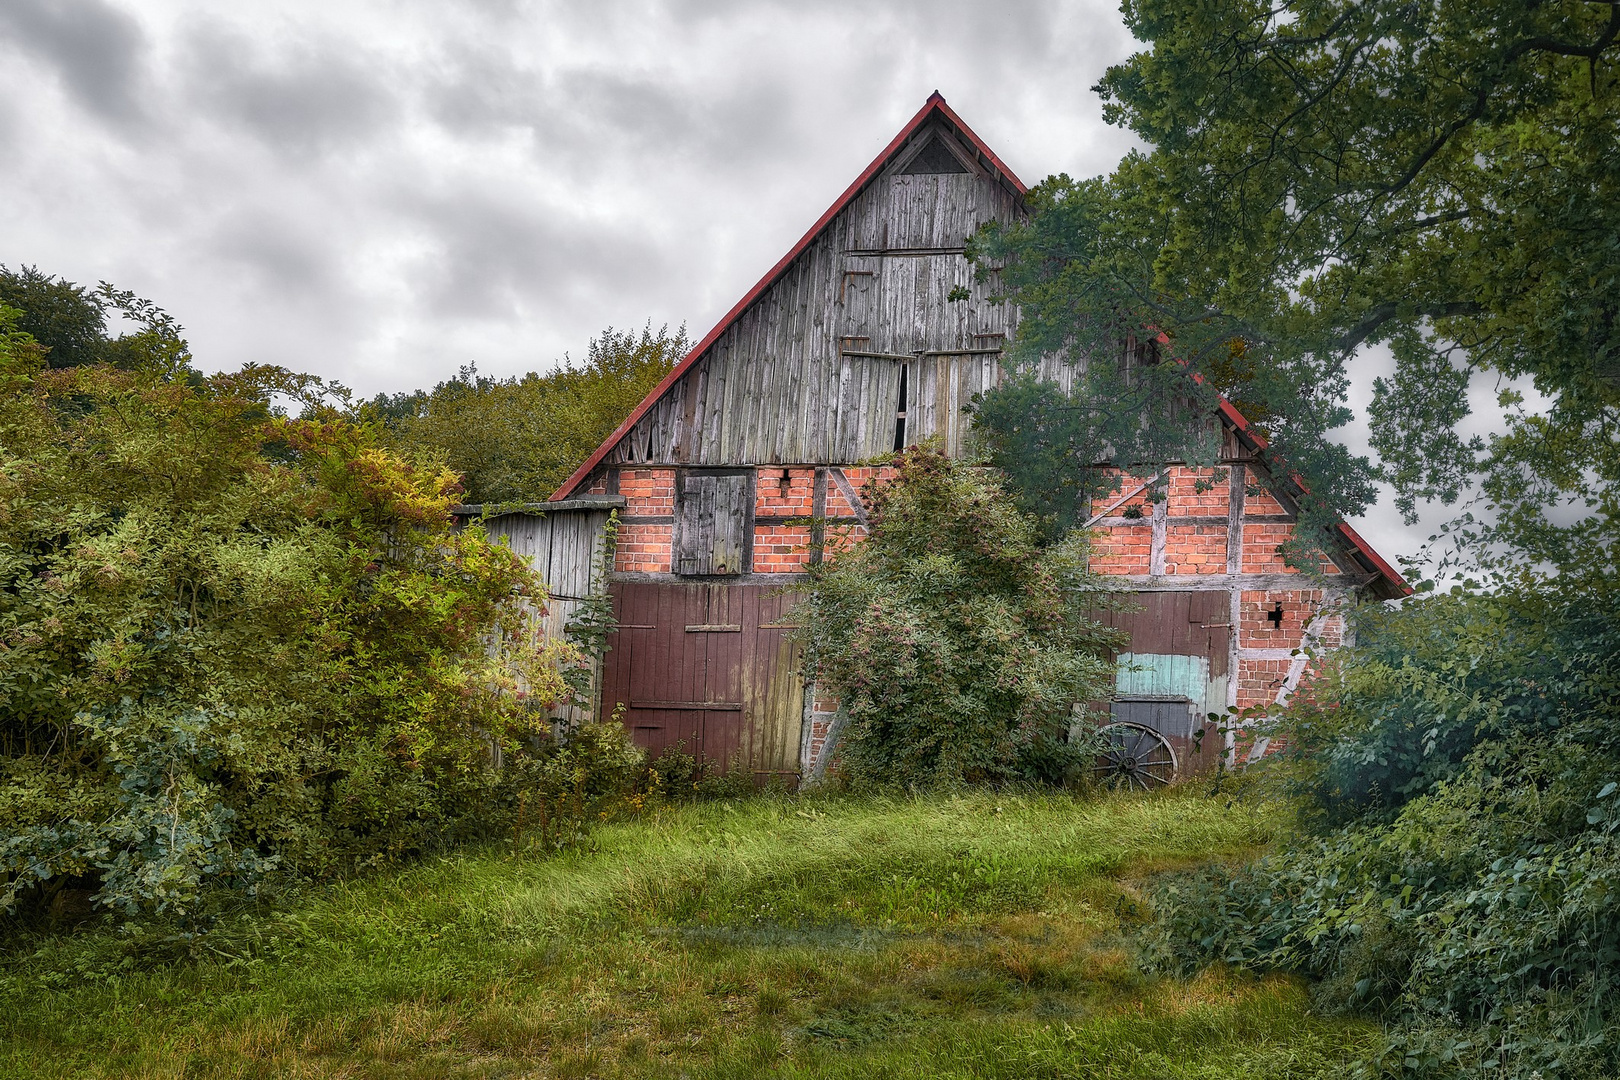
950, 936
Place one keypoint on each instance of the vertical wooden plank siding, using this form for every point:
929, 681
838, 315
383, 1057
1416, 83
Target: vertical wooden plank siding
780, 386
565, 547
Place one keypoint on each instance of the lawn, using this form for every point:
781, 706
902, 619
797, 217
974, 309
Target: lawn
950, 936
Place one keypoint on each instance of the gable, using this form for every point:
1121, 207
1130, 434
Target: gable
870, 334
804, 368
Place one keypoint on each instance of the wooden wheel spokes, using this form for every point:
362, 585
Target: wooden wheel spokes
1135, 758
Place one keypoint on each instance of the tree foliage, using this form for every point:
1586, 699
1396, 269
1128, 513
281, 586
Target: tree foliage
517, 440
956, 644
1465, 760
1326, 174
230, 639
69, 322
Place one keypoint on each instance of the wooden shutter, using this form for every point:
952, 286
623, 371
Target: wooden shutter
714, 515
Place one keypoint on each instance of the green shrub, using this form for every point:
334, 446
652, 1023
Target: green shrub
592, 774
1473, 901
231, 640
957, 644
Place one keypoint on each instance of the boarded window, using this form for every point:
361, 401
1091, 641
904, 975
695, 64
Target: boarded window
713, 522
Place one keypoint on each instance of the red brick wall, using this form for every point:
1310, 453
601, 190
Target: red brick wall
1194, 549
779, 491
781, 549
1123, 549
1260, 541
1262, 502
1261, 678
1185, 498
644, 547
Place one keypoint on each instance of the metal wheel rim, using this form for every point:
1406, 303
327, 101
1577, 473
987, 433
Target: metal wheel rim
1137, 759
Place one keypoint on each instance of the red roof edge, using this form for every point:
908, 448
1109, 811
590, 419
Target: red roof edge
1389, 572
1241, 422
935, 103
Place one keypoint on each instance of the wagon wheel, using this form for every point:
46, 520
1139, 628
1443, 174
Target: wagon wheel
1134, 757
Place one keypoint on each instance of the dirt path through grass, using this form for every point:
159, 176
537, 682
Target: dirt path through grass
950, 936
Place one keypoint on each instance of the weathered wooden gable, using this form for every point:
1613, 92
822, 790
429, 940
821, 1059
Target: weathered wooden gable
815, 368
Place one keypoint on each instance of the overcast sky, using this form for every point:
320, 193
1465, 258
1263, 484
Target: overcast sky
381, 192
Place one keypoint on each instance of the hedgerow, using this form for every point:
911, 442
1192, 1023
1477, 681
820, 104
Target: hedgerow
1462, 770
233, 641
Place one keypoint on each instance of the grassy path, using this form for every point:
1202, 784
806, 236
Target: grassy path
972, 936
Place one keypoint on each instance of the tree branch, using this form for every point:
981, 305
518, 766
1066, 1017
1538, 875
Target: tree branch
1389, 309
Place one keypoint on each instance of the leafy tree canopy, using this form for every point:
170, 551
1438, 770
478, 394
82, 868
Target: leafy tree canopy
70, 323
516, 440
1322, 175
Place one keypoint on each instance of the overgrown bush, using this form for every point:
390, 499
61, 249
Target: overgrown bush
231, 640
957, 644
1463, 767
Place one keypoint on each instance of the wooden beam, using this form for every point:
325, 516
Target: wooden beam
1121, 501
1237, 485
1156, 546
818, 515
848, 491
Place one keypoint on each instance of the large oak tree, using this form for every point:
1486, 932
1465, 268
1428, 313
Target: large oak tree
1321, 176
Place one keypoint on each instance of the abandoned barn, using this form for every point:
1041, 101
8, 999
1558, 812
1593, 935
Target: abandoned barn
745, 464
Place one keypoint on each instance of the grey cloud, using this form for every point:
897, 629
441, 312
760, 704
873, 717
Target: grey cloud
578, 115
96, 50
477, 91
300, 99
279, 252
496, 256
970, 26
753, 119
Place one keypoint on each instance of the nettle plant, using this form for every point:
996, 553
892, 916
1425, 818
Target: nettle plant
958, 645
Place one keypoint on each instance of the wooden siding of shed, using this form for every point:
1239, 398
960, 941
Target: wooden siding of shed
565, 548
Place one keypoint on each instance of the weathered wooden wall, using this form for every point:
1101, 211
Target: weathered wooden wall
564, 543
811, 372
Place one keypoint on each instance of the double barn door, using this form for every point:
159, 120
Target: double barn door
708, 669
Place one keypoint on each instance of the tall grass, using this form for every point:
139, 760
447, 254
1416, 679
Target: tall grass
967, 935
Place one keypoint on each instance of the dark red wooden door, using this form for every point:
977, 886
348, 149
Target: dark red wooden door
706, 668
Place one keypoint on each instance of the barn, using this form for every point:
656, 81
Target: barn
741, 468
